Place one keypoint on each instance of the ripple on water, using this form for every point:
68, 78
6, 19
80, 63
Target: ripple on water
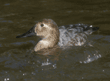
74, 63
7, 4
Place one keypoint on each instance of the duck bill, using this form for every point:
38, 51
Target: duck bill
29, 33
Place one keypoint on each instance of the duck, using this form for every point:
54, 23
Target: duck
52, 35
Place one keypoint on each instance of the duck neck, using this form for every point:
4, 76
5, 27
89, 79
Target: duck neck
51, 39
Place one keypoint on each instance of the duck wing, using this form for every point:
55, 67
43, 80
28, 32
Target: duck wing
75, 34
80, 28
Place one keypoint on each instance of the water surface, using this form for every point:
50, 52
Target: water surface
17, 61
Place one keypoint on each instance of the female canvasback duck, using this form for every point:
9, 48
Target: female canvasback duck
69, 35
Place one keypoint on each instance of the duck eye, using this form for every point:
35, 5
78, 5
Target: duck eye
42, 25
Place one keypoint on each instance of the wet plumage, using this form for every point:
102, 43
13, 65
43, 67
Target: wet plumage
52, 35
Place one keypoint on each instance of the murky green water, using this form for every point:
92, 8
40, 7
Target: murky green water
18, 63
